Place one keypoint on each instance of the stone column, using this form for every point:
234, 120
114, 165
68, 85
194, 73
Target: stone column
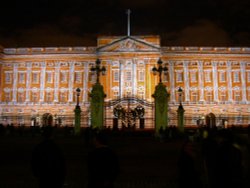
229, 81
243, 81
56, 81
71, 81
121, 85
172, 81
215, 81
15, 77
28, 80
42, 81
186, 81
85, 81
134, 78
201, 80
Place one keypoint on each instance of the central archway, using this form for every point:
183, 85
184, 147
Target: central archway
47, 119
210, 120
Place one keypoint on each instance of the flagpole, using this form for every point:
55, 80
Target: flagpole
128, 12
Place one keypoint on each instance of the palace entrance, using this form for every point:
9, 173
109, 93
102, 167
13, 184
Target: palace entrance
129, 113
47, 119
210, 120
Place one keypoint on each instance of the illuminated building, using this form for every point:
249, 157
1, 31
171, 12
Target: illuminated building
215, 80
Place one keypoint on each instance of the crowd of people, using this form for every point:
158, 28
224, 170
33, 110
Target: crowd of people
209, 158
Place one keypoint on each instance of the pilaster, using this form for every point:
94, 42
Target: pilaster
215, 81
85, 82
172, 81
186, 80
201, 80
15, 77
28, 80
243, 80
56, 82
42, 81
134, 80
121, 85
229, 81
71, 81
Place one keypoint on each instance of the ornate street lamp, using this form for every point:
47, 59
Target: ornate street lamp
180, 92
98, 69
78, 92
77, 111
180, 111
160, 69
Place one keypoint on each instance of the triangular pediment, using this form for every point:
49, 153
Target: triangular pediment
129, 44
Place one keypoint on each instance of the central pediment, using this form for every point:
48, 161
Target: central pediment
128, 44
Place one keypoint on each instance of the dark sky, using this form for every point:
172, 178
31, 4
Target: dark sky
32, 23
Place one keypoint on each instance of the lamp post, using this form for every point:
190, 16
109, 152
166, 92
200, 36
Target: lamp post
77, 111
180, 92
97, 70
160, 69
97, 97
161, 97
180, 111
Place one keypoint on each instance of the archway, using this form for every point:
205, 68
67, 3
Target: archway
47, 119
210, 120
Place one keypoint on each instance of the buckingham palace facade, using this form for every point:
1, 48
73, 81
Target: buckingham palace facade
36, 81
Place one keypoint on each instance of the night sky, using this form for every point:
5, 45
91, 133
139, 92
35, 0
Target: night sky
33, 23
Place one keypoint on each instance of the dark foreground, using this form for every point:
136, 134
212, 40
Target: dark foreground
145, 161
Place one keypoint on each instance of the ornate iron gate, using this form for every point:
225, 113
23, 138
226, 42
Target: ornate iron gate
129, 112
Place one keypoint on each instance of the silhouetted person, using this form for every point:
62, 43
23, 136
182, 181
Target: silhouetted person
188, 174
48, 164
228, 166
103, 165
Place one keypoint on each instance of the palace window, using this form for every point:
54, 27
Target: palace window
248, 95
116, 75
128, 76
209, 96
207, 76
8, 77
237, 96
116, 93
236, 76
48, 97
78, 77
222, 96
34, 97
165, 77
193, 76
63, 97
7, 97
21, 77
20, 97
248, 76
49, 77
35, 78
63, 77
142, 76
93, 78
179, 77
222, 76
194, 96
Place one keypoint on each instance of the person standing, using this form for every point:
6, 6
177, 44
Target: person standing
103, 165
48, 164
